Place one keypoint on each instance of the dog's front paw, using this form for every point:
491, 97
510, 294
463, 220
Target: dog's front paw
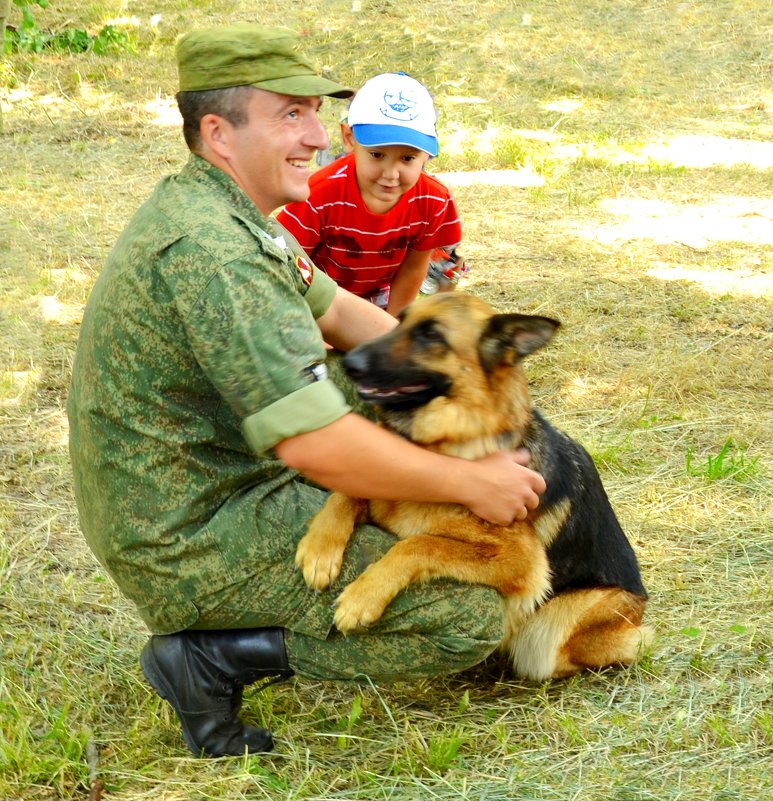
360, 605
320, 560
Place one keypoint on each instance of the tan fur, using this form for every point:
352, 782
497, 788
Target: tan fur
437, 540
549, 523
591, 628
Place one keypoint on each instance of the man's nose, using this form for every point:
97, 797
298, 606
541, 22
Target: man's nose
316, 135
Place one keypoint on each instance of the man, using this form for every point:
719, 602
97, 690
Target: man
203, 421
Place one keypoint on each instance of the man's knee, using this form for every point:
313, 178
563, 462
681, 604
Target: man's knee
473, 626
428, 630
458, 625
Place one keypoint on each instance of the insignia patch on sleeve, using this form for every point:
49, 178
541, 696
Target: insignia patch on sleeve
305, 268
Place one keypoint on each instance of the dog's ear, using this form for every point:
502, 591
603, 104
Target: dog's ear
509, 337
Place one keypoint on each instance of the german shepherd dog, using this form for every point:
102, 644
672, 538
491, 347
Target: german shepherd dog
449, 378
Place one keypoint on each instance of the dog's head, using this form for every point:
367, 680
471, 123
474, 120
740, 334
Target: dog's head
452, 358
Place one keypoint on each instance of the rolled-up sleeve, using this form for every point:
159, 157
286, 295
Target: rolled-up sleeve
310, 408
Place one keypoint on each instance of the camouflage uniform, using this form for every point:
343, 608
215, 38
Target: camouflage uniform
198, 353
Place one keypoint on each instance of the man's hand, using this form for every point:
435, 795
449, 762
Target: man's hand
507, 489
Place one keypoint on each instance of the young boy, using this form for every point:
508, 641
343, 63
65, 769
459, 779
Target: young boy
374, 217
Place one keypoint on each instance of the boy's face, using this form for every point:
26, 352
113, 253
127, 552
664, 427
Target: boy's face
384, 173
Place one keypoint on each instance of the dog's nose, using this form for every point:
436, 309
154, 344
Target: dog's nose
356, 363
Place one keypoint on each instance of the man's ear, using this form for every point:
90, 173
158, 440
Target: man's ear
509, 337
215, 134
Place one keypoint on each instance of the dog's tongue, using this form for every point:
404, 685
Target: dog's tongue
392, 392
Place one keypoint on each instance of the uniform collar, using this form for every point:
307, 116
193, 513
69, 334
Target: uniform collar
200, 170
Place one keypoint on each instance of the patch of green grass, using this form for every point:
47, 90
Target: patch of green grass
28, 37
347, 725
660, 168
443, 751
589, 162
472, 158
730, 462
509, 152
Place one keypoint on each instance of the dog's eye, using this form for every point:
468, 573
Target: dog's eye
428, 334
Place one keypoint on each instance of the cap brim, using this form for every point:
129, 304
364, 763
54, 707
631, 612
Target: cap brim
305, 86
383, 135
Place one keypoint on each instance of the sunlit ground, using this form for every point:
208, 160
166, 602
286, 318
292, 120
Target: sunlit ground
745, 220
736, 282
727, 219
519, 179
710, 151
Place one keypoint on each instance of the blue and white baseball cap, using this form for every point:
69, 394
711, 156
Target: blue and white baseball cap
394, 109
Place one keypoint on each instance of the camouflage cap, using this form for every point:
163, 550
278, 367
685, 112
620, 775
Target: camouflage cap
249, 54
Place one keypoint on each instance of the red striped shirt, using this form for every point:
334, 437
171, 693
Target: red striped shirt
360, 250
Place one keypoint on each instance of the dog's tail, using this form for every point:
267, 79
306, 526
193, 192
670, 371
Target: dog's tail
590, 628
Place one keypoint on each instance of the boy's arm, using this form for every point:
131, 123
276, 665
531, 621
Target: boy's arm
407, 281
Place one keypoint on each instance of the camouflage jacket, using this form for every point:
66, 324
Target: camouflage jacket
198, 353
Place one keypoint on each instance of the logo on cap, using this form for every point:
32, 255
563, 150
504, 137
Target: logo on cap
399, 107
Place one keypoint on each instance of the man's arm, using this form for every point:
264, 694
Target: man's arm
407, 280
359, 458
351, 320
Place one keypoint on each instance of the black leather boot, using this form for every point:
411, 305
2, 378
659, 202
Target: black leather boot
202, 675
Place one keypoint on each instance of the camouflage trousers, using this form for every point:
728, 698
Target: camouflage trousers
428, 629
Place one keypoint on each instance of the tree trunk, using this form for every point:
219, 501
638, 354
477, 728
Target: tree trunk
5, 7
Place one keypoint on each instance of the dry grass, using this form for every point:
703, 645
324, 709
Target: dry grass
639, 143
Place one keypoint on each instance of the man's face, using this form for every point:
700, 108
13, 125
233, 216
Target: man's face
269, 156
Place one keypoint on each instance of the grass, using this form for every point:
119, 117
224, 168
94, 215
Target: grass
730, 462
612, 163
